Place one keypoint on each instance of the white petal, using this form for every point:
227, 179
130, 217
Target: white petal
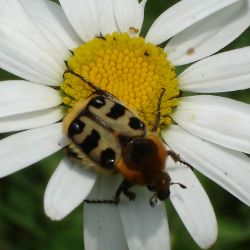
23, 149
50, 15
129, 16
230, 169
193, 206
83, 16
102, 223
223, 72
24, 51
22, 67
30, 120
143, 3
217, 119
107, 16
53, 39
13, 14
59, 46
145, 227
181, 16
18, 97
209, 35
67, 188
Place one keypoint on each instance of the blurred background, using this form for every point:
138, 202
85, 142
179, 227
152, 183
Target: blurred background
23, 225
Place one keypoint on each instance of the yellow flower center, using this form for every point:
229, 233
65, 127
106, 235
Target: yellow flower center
129, 68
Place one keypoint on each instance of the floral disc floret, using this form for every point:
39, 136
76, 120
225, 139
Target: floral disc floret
131, 69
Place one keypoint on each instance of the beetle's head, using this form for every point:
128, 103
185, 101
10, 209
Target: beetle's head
160, 185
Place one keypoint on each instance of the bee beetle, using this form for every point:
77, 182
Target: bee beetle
110, 138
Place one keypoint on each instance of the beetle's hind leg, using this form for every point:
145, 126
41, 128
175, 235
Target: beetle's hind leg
124, 188
101, 201
71, 153
96, 90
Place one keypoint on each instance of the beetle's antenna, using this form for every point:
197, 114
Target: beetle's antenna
158, 115
181, 185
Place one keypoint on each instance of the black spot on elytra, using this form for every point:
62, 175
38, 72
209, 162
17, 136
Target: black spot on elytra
76, 127
136, 123
116, 111
97, 102
108, 158
90, 142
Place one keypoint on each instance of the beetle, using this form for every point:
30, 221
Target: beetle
107, 136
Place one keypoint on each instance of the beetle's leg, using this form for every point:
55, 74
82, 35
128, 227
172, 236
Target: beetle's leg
153, 200
96, 89
90, 84
177, 158
124, 188
71, 154
100, 201
101, 37
158, 114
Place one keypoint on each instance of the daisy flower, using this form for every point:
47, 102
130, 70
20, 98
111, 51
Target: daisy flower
101, 41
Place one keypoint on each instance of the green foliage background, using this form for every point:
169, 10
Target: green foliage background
23, 225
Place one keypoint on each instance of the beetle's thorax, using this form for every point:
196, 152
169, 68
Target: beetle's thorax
146, 155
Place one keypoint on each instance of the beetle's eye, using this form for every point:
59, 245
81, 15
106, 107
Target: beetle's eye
152, 187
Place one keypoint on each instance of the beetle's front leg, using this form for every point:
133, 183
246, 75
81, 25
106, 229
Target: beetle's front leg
177, 158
